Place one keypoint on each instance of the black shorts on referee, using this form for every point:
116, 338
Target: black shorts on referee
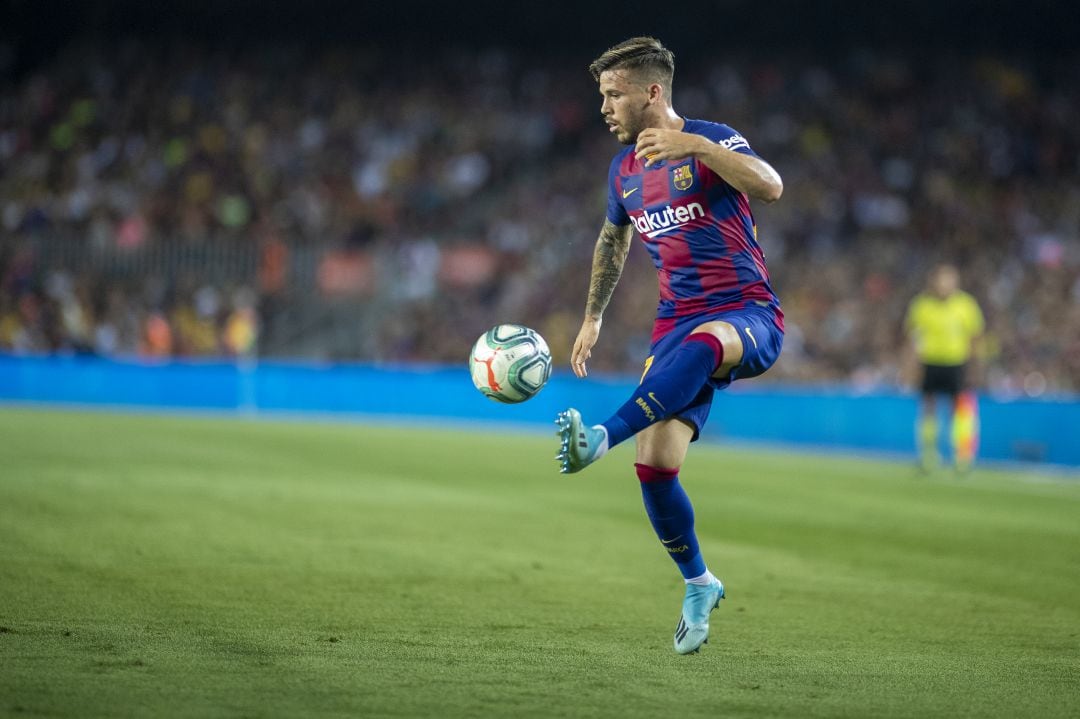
943, 379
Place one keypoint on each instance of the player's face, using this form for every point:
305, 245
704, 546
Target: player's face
625, 104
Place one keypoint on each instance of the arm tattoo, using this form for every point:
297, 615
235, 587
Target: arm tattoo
608, 259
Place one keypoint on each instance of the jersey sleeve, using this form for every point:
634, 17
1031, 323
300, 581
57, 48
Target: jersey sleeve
729, 138
616, 213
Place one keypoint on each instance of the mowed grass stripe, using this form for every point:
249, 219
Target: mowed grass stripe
174, 566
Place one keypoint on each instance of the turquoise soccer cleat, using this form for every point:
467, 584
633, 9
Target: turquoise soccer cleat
581, 445
693, 629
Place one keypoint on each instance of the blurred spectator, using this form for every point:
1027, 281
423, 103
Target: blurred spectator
389, 211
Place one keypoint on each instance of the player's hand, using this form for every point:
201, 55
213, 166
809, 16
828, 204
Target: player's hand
586, 339
654, 145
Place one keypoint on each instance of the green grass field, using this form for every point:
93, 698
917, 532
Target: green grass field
164, 566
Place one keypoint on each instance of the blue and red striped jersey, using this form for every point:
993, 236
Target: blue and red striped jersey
698, 229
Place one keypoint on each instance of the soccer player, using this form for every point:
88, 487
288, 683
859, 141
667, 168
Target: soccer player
943, 325
685, 186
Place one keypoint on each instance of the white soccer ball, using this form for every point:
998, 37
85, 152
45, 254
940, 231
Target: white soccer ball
510, 363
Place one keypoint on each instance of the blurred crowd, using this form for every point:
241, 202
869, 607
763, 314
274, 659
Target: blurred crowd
427, 197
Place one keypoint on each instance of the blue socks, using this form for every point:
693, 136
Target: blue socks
661, 394
669, 389
672, 517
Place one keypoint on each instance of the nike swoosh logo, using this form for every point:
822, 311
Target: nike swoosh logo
654, 399
669, 541
627, 193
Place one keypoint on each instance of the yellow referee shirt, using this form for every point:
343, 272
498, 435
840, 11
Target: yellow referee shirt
943, 329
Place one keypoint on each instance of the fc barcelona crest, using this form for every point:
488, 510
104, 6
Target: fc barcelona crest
682, 177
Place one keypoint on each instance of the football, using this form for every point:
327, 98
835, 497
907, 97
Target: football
510, 363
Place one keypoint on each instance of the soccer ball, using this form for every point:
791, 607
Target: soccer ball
510, 363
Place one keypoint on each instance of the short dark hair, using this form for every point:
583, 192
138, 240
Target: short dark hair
640, 54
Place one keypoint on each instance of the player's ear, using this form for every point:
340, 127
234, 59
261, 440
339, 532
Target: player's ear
656, 93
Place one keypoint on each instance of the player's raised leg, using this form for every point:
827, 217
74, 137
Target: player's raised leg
711, 348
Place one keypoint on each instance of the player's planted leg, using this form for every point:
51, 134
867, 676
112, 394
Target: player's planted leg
659, 395
672, 517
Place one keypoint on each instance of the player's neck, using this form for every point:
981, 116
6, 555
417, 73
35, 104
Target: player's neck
667, 119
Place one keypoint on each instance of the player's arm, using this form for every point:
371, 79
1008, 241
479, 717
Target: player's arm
609, 257
746, 173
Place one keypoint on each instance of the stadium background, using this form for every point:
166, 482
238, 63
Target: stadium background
286, 207
334, 182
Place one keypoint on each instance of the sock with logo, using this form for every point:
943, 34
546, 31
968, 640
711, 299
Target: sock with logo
672, 517
669, 389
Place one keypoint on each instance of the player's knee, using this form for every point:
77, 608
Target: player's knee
729, 340
664, 444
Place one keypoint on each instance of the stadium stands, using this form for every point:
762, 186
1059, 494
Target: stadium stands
169, 199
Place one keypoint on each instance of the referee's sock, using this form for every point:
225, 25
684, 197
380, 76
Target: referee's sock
928, 441
668, 389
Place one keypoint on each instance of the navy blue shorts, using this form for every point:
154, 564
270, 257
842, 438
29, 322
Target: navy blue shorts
762, 341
